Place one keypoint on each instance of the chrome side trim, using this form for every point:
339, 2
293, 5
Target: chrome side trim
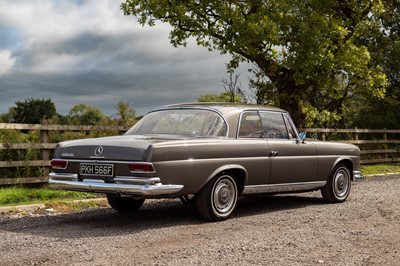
357, 176
278, 188
123, 185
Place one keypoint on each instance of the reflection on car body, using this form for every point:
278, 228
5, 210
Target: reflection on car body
209, 154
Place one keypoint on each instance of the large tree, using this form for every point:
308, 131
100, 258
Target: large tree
385, 51
307, 50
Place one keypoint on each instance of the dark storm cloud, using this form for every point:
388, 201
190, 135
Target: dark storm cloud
88, 52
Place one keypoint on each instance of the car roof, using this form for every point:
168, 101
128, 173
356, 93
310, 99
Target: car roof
223, 107
229, 111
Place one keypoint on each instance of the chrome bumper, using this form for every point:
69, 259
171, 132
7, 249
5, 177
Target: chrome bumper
357, 176
123, 185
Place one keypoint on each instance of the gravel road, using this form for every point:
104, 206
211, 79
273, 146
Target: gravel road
298, 229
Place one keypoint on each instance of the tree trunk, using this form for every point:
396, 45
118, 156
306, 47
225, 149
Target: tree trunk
295, 112
290, 93
290, 96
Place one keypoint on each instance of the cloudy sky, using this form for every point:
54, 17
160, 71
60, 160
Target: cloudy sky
87, 51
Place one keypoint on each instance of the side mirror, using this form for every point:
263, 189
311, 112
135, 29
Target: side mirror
302, 136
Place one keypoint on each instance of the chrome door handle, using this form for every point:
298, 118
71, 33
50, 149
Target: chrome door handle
273, 153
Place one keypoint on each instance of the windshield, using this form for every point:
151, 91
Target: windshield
190, 122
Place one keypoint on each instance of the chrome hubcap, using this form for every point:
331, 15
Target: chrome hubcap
224, 198
341, 183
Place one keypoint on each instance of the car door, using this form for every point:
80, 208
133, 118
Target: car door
258, 165
291, 160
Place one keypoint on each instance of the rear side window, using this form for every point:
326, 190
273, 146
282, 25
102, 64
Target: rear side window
250, 125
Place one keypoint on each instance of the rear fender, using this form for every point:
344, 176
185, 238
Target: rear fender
241, 176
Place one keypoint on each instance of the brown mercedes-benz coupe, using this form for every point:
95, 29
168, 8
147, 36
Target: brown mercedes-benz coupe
209, 154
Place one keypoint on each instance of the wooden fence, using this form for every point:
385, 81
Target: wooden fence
377, 145
44, 146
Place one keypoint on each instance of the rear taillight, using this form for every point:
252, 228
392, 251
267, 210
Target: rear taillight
141, 167
59, 164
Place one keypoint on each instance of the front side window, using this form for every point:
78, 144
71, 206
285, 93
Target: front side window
264, 124
189, 122
290, 127
274, 125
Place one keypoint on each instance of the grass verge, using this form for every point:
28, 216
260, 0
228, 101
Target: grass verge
384, 168
17, 195
75, 205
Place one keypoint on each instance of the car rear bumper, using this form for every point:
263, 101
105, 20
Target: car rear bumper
357, 176
123, 185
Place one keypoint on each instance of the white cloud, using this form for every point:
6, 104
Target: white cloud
6, 62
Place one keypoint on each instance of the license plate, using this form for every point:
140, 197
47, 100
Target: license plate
97, 169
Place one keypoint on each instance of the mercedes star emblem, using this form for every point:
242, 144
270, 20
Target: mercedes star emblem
98, 151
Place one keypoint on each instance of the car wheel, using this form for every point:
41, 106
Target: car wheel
122, 204
217, 200
337, 188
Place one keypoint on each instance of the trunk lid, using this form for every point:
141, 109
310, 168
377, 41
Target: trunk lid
125, 148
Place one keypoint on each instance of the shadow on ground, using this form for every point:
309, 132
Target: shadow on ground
153, 215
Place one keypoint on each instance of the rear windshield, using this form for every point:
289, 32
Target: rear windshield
188, 122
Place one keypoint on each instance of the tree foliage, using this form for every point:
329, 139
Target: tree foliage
222, 97
307, 50
125, 115
82, 114
9, 116
33, 111
377, 112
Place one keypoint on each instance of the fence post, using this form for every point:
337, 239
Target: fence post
385, 146
356, 135
44, 138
